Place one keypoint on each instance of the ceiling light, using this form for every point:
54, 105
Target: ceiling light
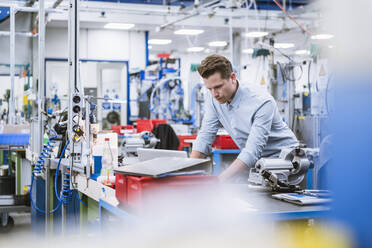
195, 49
330, 46
302, 52
283, 45
217, 43
119, 25
149, 47
248, 50
159, 42
256, 34
322, 36
189, 31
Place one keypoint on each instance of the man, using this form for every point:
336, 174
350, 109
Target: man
250, 117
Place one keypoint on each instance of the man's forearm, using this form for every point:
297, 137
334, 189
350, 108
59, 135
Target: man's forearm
197, 154
236, 168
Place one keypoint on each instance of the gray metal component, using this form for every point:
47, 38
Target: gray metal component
130, 144
14, 208
6, 200
290, 168
273, 164
86, 147
4, 219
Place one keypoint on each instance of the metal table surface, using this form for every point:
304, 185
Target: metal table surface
14, 208
260, 203
264, 204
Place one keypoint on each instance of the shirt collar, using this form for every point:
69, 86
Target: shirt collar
236, 100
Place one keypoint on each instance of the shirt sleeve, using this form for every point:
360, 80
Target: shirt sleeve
258, 136
209, 128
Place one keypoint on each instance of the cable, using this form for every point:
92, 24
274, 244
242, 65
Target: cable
292, 18
57, 170
287, 68
78, 197
34, 204
40, 165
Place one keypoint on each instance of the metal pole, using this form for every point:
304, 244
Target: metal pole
12, 66
47, 197
24, 34
86, 150
41, 62
73, 63
231, 40
41, 99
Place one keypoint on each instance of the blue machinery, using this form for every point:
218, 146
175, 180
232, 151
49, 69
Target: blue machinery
66, 193
166, 101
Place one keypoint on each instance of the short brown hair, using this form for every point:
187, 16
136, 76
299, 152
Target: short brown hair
215, 63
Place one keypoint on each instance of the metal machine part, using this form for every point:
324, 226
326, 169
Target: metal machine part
130, 143
166, 101
281, 174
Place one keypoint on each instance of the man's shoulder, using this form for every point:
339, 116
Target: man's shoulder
254, 93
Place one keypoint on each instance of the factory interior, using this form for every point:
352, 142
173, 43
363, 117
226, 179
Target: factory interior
185, 123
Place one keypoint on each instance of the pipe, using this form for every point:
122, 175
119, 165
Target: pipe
11, 119
22, 34
292, 18
54, 6
209, 4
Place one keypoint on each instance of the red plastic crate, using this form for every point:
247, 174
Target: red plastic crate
135, 191
224, 142
182, 139
148, 125
121, 187
117, 128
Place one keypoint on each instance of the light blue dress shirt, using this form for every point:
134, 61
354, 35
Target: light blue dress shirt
253, 121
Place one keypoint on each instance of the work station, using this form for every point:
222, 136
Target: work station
184, 123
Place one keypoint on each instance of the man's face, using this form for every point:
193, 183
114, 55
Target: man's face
221, 89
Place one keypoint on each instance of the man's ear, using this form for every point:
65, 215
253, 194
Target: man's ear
233, 76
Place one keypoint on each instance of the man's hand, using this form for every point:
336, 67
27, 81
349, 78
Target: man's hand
196, 154
235, 169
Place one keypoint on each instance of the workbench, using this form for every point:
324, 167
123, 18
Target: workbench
260, 204
220, 163
13, 146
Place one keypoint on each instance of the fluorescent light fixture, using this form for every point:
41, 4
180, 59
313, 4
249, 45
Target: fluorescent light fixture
256, 34
119, 25
302, 52
195, 49
322, 36
283, 45
189, 31
217, 43
149, 47
248, 50
159, 42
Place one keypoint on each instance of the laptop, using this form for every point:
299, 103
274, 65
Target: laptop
147, 154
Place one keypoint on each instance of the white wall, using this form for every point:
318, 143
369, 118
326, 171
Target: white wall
22, 44
100, 44
252, 75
